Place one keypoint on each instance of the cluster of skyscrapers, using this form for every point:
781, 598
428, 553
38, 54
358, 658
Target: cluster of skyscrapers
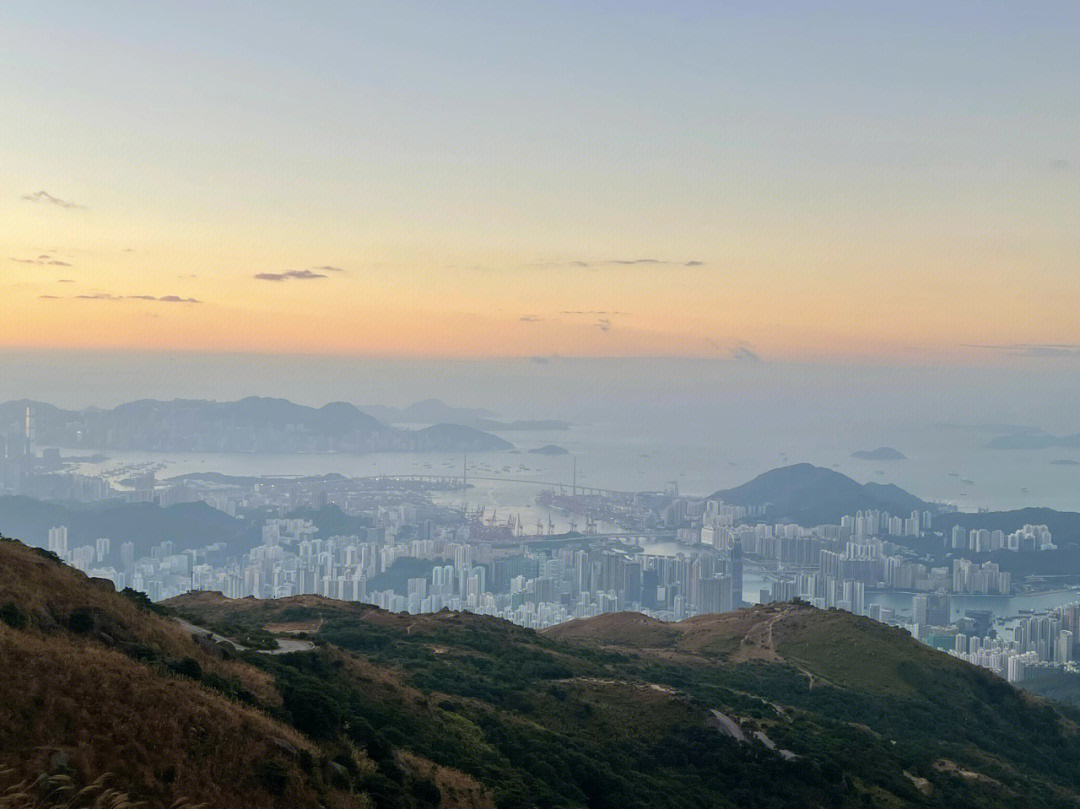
983, 540
1041, 647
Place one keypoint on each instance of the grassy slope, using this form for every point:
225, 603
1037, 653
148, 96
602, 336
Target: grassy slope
867, 696
869, 711
462, 710
95, 683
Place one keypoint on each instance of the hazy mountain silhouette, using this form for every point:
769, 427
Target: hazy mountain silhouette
253, 424
550, 449
879, 454
428, 411
814, 495
186, 525
1034, 441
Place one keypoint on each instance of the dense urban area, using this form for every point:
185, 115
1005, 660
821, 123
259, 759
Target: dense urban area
414, 544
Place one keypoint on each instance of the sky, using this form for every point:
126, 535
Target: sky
788, 182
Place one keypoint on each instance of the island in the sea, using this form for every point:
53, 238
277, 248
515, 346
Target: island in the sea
879, 454
550, 449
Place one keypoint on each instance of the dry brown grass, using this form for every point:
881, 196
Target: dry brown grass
293, 627
617, 628
161, 738
741, 635
213, 606
48, 593
456, 788
62, 791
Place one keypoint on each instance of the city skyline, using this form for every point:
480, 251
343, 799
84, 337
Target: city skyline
869, 183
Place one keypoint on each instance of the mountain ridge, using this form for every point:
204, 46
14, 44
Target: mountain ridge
1036, 440
251, 424
813, 495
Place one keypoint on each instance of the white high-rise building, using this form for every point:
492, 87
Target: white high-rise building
1063, 651
58, 540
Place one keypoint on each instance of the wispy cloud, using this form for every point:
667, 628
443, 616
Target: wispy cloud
43, 260
617, 262
328, 268
108, 296
530, 319
1059, 165
741, 351
66, 281
46, 197
745, 353
1033, 350
299, 275
647, 262
603, 324
590, 312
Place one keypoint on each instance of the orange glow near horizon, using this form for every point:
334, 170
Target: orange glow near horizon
580, 201
521, 309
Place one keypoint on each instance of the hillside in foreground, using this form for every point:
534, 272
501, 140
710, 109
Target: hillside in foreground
781, 705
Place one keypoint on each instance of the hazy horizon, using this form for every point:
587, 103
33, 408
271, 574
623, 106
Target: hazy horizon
999, 393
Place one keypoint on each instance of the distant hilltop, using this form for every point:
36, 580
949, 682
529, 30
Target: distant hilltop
550, 449
813, 495
1034, 441
435, 411
879, 454
429, 411
253, 424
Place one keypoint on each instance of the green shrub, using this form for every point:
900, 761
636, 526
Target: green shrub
11, 615
313, 711
187, 667
81, 621
272, 775
141, 599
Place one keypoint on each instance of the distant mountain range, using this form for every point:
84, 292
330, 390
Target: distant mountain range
879, 454
539, 425
186, 525
1034, 440
433, 411
429, 411
249, 425
550, 449
813, 495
